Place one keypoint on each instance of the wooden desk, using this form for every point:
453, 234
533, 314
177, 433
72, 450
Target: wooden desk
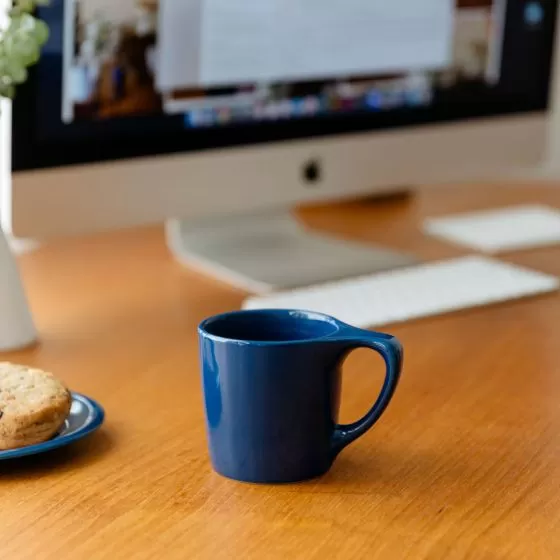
465, 464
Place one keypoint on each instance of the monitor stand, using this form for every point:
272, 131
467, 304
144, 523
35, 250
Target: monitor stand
272, 251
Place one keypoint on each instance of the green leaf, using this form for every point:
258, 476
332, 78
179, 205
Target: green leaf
17, 72
41, 32
20, 44
24, 5
7, 91
21, 49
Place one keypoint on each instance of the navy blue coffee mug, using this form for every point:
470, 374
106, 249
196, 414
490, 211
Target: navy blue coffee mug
271, 383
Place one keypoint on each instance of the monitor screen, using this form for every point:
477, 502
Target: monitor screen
129, 78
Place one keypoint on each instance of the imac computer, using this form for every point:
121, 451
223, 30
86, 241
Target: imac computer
217, 116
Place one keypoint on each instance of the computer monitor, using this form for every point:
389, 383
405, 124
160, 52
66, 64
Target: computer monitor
218, 115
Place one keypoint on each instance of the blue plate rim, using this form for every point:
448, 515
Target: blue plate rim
98, 417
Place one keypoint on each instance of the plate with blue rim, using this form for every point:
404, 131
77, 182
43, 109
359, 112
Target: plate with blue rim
86, 416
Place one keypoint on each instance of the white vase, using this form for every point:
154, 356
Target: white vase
16, 325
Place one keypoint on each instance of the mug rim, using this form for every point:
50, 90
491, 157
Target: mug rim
337, 325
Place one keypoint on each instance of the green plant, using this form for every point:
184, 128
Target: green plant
20, 44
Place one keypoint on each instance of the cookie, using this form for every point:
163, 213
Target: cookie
33, 406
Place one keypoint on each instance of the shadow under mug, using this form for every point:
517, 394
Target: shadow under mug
271, 381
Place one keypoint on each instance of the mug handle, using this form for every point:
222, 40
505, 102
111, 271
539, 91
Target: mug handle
392, 352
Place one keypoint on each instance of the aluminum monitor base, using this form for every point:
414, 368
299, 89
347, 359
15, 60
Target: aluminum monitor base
271, 252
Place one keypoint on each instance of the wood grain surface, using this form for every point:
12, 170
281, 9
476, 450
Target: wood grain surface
464, 465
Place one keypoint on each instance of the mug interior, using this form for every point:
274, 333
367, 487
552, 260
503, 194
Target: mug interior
270, 326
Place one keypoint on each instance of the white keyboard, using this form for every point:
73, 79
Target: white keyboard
419, 291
